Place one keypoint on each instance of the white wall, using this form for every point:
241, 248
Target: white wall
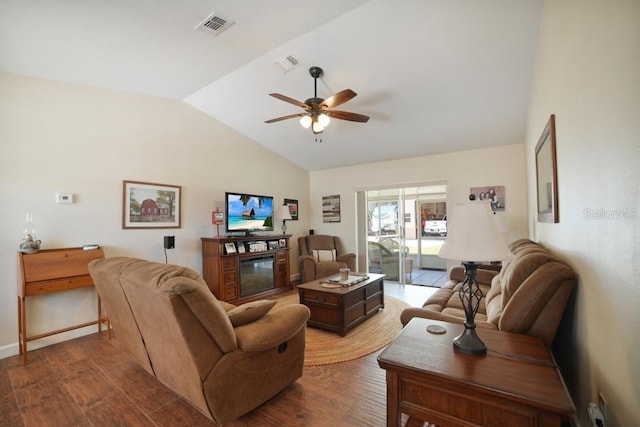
64, 138
588, 74
461, 171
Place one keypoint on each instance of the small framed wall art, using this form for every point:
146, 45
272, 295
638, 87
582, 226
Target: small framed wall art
149, 205
331, 208
293, 208
495, 194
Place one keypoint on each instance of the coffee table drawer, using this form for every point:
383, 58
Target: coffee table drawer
312, 297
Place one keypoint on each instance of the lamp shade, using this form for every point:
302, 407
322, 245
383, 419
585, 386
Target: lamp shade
472, 235
283, 212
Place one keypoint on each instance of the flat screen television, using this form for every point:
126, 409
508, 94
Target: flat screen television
248, 213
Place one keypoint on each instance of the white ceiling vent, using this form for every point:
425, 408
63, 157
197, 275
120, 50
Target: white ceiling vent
287, 63
214, 24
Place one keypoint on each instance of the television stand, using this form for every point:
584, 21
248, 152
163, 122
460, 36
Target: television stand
222, 271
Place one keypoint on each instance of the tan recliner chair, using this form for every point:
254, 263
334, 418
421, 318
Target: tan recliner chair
322, 256
528, 296
225, 360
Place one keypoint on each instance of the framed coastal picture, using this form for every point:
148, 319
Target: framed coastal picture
150, 205
547, 173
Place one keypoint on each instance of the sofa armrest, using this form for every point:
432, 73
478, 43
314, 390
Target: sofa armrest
278, 326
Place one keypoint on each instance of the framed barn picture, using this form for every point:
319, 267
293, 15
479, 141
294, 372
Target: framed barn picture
149, 205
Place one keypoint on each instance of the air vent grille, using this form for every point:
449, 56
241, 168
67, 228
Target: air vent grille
214, 24
287, 63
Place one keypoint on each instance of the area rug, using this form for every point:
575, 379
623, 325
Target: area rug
324, 347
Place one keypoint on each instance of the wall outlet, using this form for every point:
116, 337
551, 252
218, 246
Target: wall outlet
169, 242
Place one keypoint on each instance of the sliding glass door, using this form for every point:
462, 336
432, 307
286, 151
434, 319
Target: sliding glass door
398, 242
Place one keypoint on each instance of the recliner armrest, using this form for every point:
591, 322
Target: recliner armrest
307, 265
278, 326
349, 259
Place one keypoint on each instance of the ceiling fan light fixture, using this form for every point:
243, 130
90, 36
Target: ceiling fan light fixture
324, 120
305, 121
318, 111
317, 127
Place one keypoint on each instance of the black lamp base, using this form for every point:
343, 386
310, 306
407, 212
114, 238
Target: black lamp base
470, 294
468, 342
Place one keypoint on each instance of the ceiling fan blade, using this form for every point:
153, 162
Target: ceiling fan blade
345, 115
290, 116
338, 98
290, 100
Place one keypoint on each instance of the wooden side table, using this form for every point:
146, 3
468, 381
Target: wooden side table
516, 383
49, 271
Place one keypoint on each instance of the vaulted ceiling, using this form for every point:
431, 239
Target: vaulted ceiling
434, 76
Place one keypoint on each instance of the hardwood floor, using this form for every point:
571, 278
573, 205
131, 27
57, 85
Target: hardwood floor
88, 382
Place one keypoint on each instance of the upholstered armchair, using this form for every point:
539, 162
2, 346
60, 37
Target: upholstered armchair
225, 360
383, 260
322, 256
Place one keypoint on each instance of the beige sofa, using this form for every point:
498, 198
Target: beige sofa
528, 295
225, 360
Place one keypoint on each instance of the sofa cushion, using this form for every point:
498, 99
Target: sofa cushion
250, 312
520, 268
324, 255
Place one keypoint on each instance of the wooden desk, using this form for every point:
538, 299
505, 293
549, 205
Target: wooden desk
517, 382
343, 308
52, 270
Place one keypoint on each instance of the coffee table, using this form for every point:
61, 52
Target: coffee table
342, 308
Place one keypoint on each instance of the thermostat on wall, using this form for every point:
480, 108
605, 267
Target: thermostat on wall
64, 198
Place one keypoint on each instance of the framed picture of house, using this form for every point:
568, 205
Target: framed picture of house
293, 208
149, 205
230, 248
547, 174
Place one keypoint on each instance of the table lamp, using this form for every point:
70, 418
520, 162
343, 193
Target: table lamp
284, 214
472, 237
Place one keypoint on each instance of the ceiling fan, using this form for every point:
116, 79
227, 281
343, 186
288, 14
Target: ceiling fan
318, 111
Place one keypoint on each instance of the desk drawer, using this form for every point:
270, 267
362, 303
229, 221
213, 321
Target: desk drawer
57, 263
38, 288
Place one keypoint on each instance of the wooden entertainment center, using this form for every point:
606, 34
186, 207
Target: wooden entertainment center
232, 266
